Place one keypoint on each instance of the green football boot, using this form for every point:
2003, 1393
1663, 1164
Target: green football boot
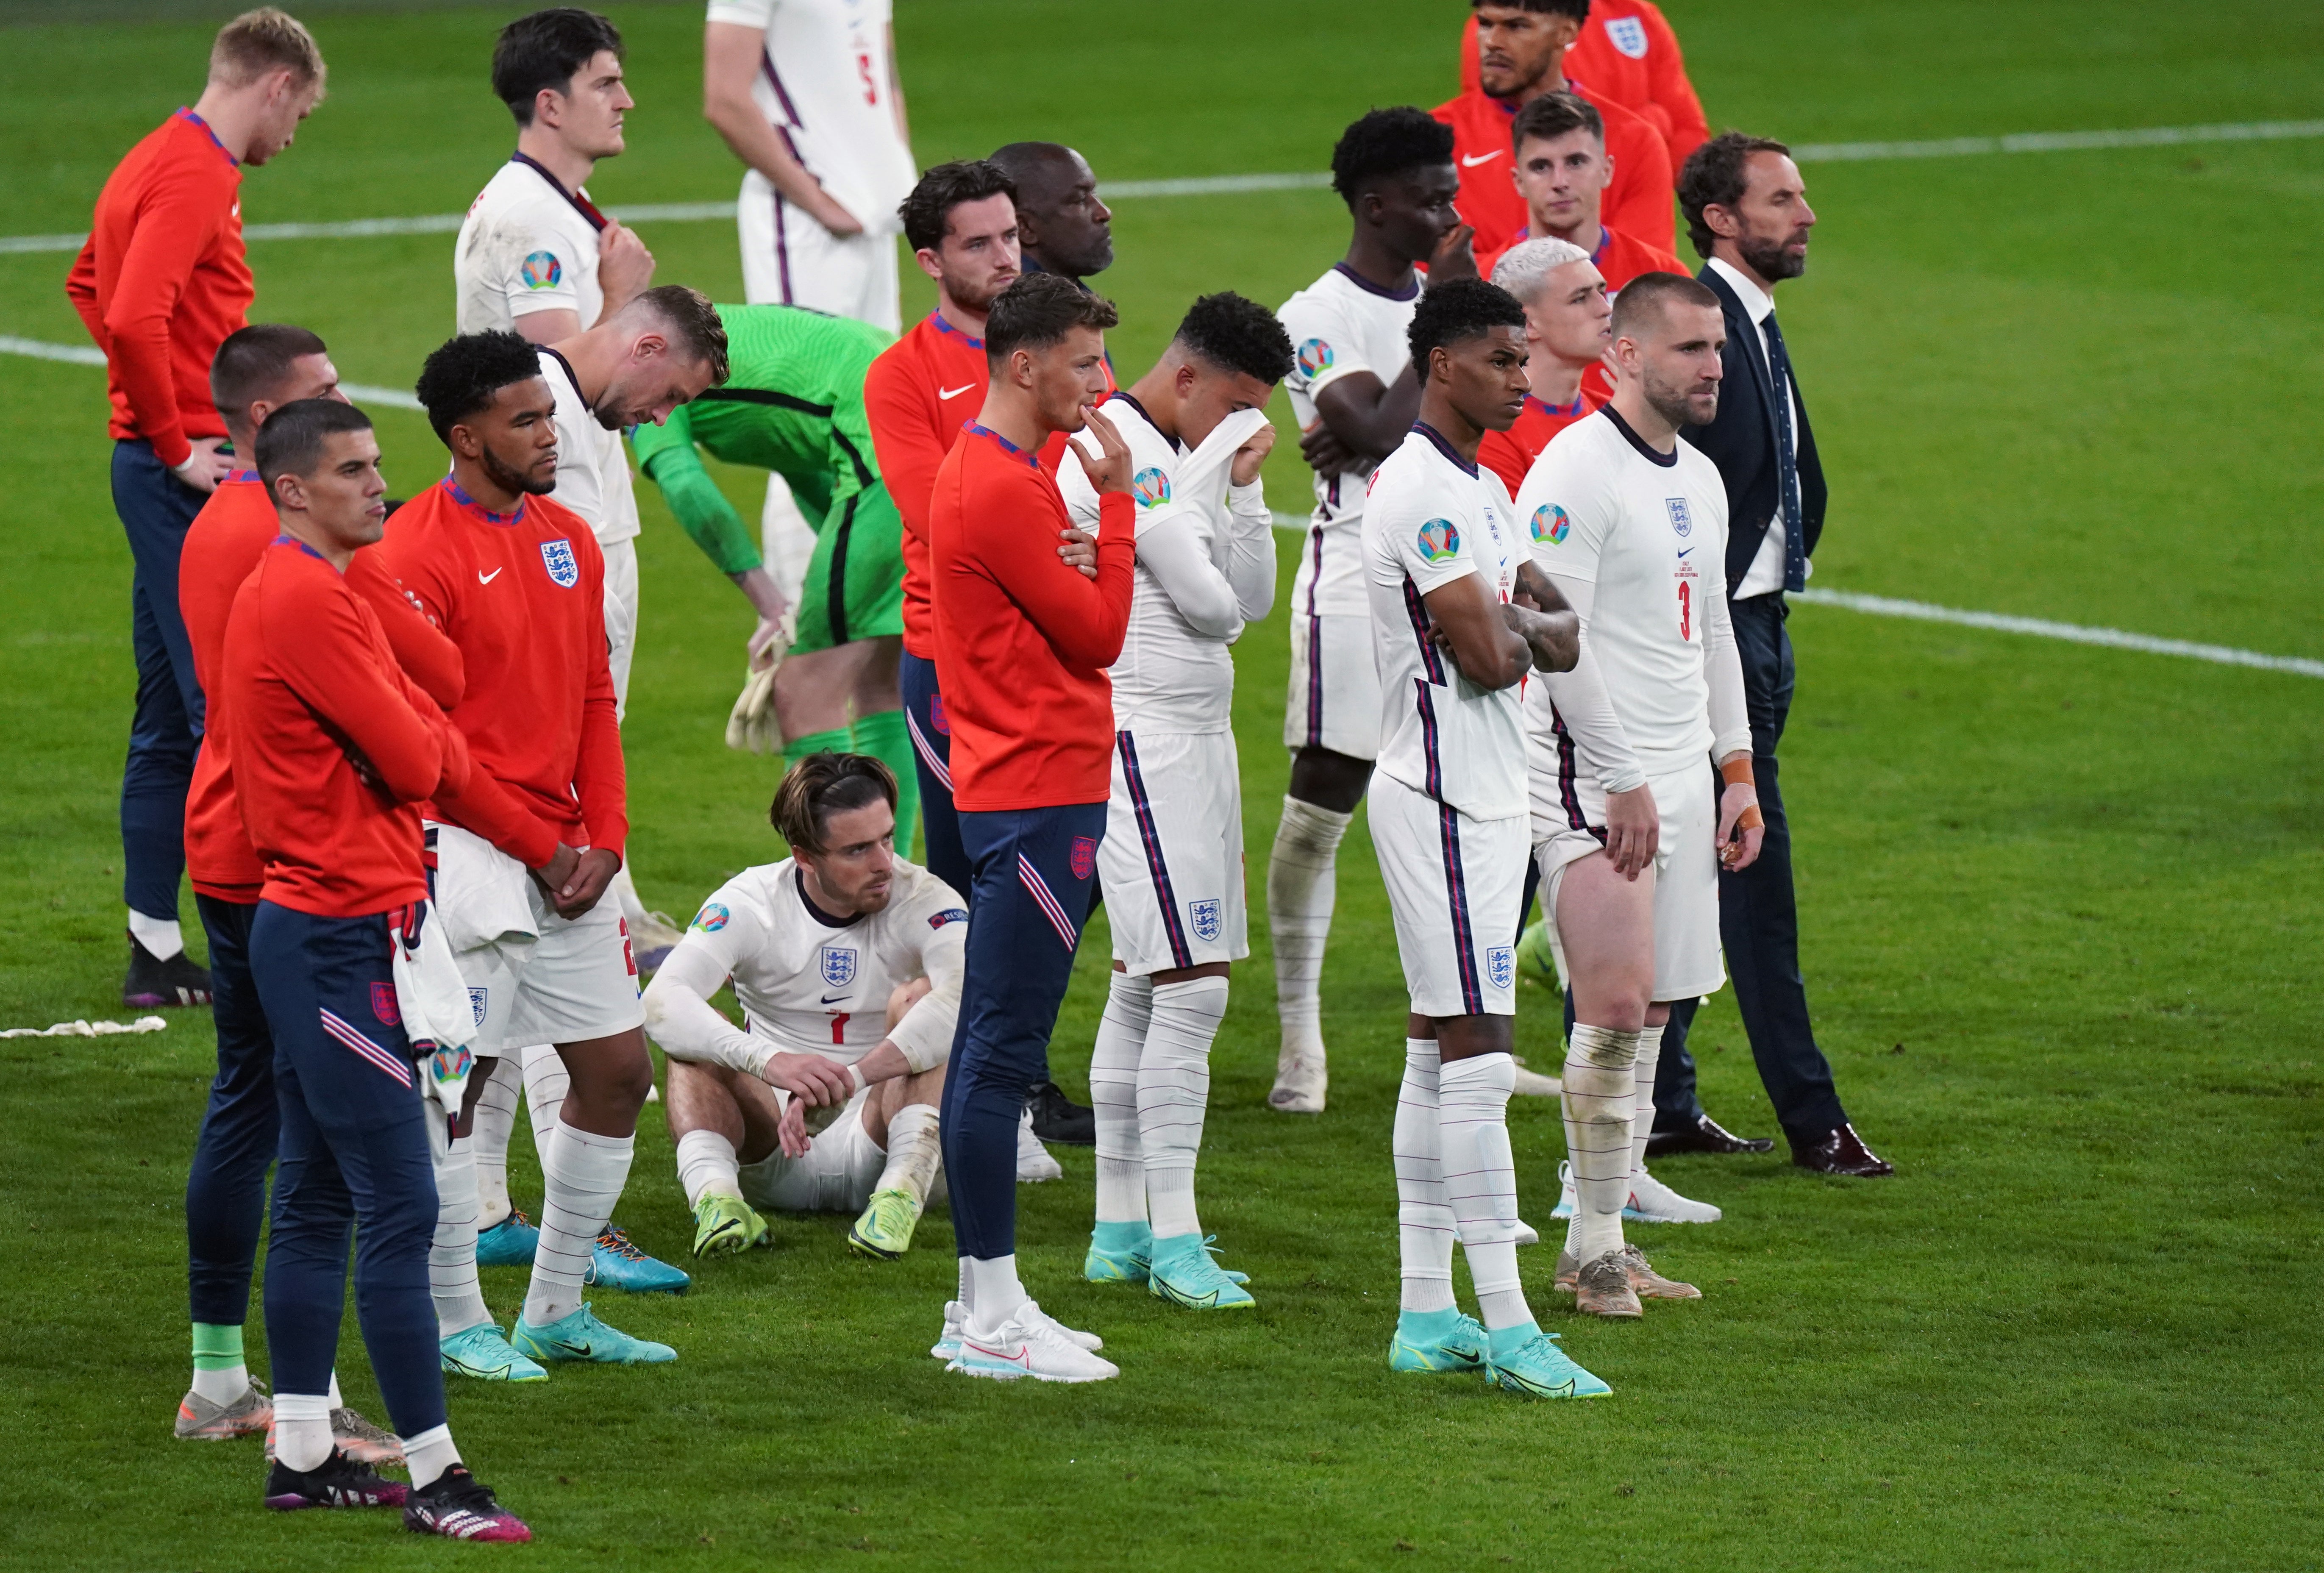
724, 1224
885, 1229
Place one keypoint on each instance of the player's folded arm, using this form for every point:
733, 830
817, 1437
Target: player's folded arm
322, 650
427, 657
1083, 619
923, 1035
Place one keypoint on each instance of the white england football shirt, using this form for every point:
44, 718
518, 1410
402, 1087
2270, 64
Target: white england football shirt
1647, 534
1434, 518
807, 985
1340, 325
527, 246
592, 464
824, 84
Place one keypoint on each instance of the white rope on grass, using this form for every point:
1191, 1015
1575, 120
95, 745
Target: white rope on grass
88, 1029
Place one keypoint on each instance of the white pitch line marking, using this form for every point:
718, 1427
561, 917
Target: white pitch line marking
90, 356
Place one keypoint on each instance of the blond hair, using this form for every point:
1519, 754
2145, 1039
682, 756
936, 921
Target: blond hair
1524, 268
259, 43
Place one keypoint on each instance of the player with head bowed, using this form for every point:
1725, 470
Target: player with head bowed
1460, 619
1171, 866
523, 855
335, 750
160, 283
1354, 392
846, 962
1630, 523
1568, 313
1023, 641
257, 371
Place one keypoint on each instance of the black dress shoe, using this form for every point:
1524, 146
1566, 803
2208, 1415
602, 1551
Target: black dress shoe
1058, 1119
1704, 1135
1840, 1151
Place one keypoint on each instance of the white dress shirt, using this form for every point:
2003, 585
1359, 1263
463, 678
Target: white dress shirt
1765, 574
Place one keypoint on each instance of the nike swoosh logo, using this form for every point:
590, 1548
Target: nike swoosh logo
954, 392
485, 578
1469, 164
832, 998
1688, 550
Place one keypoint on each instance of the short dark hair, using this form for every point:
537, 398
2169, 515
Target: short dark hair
547, 50
700, 333
1385, 143
1654, 292
1577, 9
1457, 309
464, 375
292, 439
927, 213
255, 359
1237, 334
1714, 176
1038, 311
821, 785
1552, 115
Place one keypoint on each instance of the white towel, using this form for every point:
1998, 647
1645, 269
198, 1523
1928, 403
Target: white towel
438, 1016
483, 896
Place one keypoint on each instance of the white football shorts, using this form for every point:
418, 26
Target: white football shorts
789, 258
1334, 698
620, 616
576, 981
1454, 884
842, 1165
1171, 863
1687, 959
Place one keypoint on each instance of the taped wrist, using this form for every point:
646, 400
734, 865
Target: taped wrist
1736, 772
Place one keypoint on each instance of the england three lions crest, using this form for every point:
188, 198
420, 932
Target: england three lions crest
838, 966
564, 568
1205, 917
1500, 968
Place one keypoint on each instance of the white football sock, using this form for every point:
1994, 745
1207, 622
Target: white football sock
1300, 888
1599, 1087
1480, 1181
488, 1136
221, 1385
429, 1454
914, 1150
452, 1254
1173, 1090
1424, 1224
302, 1430
546, 1080
1642, 1109
706, 1166
161, 936
993, 1291
581, 1178
1113, 1097
337, 1401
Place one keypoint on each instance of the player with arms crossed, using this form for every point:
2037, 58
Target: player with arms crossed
1630, 523
1567, 317
845, 960
1461, 618
1171, 866
1354, 394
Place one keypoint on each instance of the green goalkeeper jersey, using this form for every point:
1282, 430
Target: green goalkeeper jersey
792, 403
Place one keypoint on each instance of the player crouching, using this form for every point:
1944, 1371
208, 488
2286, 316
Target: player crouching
811, 1107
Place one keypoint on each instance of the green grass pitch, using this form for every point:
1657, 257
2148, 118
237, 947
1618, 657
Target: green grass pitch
2059, 904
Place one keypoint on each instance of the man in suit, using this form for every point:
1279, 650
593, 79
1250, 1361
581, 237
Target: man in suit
1747, 216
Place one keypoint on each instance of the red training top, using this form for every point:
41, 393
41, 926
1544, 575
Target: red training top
162, 281
1510, 453
224, 544
522, 595
1023, 639
918, 395
310, 687
1639, 199
1627, 51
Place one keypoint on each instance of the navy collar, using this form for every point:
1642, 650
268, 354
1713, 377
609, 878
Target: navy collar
978, 428
1127, 398
943, 327
185, 114
1668, 461
1570, 411
827, 919
1468, 468
1409, 292
581, 204
459, 495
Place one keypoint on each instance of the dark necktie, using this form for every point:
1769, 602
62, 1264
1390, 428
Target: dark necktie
1787, 461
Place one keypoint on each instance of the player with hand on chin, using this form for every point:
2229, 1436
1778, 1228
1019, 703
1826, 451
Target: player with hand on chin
1460, 619
1354, 392
1630, 523
846, 962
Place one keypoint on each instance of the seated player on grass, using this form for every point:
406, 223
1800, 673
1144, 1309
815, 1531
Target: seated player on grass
811, 1107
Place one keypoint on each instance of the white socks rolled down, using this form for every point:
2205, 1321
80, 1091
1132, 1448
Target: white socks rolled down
1173, 1089
1424, 1224
302, 1430
706, 1166
488, 1140
429, 1454
162, 937
1642, 1108
1480, 1181
1300, 889
1113, 1097
913, 1151
1599, 1099
452, 1254
583, 1174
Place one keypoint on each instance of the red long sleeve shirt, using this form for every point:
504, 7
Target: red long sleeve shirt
1023, 639
162, 281
918, 395
522, 595
309, 683
1627, 51
224, 544
1638, 201
1510, 453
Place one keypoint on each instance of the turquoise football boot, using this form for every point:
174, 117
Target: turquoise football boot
509, 1242
1119, 1252
1180, 1271
1437, 1341
1526, 1361
480, 1352
617, 1264
581, 1336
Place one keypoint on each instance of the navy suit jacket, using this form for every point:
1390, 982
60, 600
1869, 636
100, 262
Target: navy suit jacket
1741, 441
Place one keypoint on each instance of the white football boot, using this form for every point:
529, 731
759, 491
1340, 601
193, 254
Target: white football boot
1652, 1201
1031, 1343
1034, 1163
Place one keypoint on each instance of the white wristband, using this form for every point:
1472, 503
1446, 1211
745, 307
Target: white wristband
855, 1079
